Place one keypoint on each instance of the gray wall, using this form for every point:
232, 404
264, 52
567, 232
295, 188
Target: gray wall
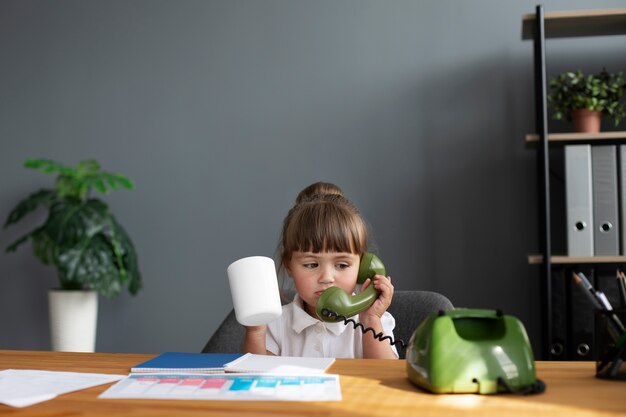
221, 111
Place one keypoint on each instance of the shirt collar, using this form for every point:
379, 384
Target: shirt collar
302, 319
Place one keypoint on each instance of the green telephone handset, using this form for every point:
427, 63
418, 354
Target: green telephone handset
338, 302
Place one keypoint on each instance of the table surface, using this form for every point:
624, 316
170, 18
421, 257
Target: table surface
369, 388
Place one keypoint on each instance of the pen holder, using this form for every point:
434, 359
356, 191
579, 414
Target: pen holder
610, 344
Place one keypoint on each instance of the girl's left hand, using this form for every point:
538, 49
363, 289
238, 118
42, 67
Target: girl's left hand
382, 303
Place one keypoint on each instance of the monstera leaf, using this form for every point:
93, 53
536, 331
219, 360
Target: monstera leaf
80, 236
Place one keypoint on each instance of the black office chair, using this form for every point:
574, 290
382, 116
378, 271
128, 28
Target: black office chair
409, 308
228, 338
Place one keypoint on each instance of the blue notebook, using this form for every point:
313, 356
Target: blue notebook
200, 363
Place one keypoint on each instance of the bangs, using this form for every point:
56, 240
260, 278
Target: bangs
324, 227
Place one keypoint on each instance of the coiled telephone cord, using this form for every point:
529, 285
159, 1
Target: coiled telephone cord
379, 336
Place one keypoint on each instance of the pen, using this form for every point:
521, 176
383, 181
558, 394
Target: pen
582, 280
609, 308
616, 327
621, 283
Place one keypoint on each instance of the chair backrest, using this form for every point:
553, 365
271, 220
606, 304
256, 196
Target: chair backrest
228, 338
409, 308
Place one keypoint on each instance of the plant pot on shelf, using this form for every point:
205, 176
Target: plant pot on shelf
586, 121
73, 320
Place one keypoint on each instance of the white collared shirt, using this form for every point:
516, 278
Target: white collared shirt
296, 333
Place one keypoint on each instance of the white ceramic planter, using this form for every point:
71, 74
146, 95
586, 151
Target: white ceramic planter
73, 320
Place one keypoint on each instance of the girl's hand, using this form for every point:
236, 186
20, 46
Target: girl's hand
373, 348
382, 303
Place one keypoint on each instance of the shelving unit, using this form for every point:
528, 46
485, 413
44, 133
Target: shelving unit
576, 23
578, 137
577, 260
539, 27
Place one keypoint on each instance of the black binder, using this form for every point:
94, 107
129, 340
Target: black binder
559, 342
581, 320
606, 282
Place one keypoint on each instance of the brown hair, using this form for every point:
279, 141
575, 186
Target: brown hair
323, 223
318, 188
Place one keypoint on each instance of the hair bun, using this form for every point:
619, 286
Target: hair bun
318, 189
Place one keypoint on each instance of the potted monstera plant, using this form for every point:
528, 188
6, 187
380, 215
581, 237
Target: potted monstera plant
584, 99
81, 238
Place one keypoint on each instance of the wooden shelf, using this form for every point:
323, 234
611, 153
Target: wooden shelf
577, 137
564, 260
578, 23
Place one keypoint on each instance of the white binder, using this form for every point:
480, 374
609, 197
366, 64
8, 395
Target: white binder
578, 196
605, 214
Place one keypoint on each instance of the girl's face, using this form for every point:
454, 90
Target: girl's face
314, 272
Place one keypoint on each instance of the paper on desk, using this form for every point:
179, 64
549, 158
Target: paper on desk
21, 388
251, 363
228, 387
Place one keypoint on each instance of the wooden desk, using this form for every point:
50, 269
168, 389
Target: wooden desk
369, 388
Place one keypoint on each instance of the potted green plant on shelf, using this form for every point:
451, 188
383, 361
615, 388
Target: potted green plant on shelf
583, 99
91, 251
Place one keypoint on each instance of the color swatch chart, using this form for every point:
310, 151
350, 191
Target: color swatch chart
225, 387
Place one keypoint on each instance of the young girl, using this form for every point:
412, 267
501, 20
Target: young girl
323, 239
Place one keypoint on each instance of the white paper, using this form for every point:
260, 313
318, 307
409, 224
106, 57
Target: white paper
227, 387
21, 388
251, 363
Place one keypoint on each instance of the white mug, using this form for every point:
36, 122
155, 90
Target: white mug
254, 288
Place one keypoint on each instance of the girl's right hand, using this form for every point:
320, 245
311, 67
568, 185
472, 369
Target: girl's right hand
382, 303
